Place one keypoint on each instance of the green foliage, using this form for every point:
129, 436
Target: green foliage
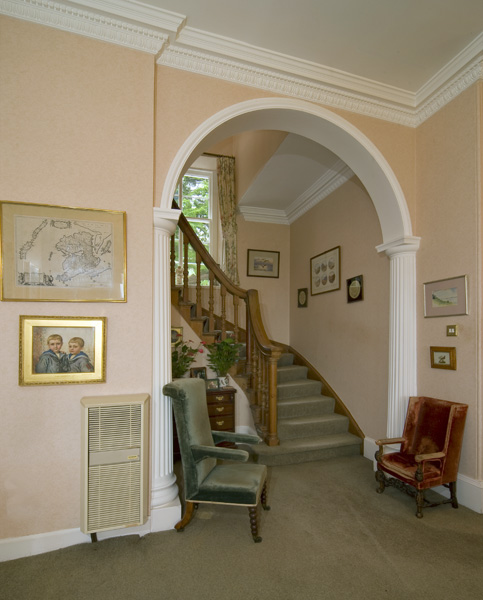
196, 194
182, 356
223, 355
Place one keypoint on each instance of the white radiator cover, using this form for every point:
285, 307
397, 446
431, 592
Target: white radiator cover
114, 462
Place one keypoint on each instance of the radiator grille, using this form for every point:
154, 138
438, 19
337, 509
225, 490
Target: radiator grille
114, 496
114, 427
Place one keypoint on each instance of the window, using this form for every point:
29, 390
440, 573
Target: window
196, 198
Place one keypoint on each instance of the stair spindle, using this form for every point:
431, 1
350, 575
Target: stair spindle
199, 309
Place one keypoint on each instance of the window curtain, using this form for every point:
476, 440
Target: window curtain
227, 201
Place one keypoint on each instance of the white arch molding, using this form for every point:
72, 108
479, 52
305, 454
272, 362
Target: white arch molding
367, 162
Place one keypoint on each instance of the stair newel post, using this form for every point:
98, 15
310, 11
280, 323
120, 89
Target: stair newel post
261, 392
272, 435
185, 269
223, 311
198, 286
211, 302
172, 263
254, 387
249, 345
235, 317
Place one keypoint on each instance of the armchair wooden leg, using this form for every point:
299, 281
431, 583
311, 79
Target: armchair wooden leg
252, 511
264, 497
419, 503
381, 479
188, 515
452, 490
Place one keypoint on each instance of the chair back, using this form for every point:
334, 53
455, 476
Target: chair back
434, 425
193, 427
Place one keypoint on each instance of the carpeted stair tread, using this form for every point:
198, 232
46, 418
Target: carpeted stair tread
298, 388
308, 426
308, 405
307, 449
291, 372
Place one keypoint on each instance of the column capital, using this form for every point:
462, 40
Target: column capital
404, 245
166, 219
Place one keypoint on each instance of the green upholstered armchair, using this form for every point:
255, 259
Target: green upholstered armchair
429, 453
205, 480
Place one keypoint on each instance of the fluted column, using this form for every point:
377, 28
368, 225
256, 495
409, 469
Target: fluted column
165, 505
402, 332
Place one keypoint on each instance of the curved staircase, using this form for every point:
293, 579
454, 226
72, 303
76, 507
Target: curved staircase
308, 427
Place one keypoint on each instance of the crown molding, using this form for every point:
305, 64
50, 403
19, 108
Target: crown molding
263, 215
338, 174
70, 18
143, 27
221, 68
245, 53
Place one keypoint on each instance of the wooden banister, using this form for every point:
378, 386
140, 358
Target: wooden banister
262, 354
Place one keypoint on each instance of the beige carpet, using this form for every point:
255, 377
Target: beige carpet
328, 536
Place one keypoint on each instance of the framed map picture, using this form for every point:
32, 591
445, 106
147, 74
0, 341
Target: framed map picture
61, 254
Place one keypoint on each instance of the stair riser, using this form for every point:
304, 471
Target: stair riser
313, 455
285, 360
292, 374
290, 432
305, 388
302, 409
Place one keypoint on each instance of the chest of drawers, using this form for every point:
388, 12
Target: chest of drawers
221, 408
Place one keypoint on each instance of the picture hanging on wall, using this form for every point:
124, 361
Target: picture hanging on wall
355, 289
325, 272
62, 254
443, 358
446, 297
263, 263
62, 350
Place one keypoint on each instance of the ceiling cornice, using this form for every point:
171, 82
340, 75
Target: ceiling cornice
165, 34
338, 174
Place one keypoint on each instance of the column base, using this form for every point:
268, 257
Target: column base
165, 517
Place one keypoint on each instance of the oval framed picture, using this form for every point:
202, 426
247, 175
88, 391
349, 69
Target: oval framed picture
302, 296
355, 289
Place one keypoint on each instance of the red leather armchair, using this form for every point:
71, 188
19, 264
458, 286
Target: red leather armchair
429, 453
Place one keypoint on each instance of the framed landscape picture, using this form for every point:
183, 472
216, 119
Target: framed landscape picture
61, 254
62, 350
446, 297
325, 272
263, 263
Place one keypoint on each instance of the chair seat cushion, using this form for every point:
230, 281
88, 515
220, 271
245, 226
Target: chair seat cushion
404, 467
232, 484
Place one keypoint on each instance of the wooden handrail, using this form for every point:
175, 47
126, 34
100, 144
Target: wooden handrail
262, 354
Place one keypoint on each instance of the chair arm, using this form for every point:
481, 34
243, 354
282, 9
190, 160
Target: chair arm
387, 441
237, 438
201, 452
419, 458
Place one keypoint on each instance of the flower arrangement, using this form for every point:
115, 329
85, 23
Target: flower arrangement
182, 356
222, 355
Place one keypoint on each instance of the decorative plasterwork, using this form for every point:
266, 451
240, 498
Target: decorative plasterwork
143, 27
75, 20
323, 187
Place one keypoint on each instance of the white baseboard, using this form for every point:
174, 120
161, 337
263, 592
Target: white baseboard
161, 519
469, 491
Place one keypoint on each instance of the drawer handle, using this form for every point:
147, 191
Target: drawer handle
220, 408
220, 423
220, 398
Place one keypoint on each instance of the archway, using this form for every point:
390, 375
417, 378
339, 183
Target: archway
367, 162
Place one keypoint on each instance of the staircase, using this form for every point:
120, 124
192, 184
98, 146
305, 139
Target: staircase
308, 427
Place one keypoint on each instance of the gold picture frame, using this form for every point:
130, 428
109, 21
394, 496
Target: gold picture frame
61, 254
80, 358
443, 357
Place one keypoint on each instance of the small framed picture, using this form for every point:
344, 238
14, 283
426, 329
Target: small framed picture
212, 384
446, 297
176, 334
325, 272
443, 358
302, 296
355, 289
263, 263
198, 372
62, 350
